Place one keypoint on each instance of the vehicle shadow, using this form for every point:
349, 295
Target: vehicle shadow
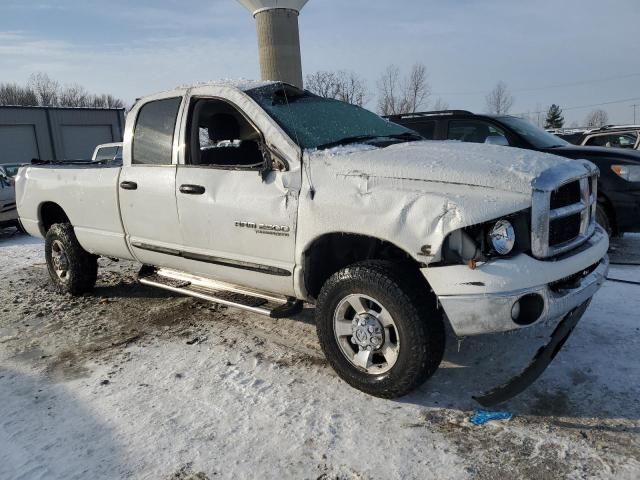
11, 237
47, 433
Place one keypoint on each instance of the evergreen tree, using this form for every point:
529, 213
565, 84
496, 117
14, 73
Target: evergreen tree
554, 117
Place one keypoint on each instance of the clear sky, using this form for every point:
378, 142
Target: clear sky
571, 52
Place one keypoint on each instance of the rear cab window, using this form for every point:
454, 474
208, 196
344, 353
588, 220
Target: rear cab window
154, 131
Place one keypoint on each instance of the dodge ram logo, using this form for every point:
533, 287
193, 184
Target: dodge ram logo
266, 229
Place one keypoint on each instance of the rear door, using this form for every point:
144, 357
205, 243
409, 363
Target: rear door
148, 182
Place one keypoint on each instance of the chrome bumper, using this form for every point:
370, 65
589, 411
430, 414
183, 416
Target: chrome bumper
491, 313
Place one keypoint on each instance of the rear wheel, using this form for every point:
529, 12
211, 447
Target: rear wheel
72, 269
378, 329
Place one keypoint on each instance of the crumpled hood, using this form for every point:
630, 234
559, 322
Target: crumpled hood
501, 168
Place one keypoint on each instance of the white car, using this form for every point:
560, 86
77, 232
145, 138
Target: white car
263, 196
110, 153
8, 210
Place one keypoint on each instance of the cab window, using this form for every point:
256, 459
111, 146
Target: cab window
153, 135
222, 137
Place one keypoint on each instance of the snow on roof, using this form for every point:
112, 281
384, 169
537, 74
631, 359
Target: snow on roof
240, 84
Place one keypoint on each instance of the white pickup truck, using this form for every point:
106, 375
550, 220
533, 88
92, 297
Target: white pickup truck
262, 196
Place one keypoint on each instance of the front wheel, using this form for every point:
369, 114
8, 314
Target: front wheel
378, 329
71, 268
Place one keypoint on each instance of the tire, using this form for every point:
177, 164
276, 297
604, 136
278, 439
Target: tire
72, 269
603, 219
415, 342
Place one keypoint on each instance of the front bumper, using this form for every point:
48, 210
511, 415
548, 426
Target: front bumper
570, 282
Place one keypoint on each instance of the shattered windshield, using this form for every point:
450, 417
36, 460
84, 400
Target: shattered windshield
317, 122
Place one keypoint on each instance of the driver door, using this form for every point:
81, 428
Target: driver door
238, 222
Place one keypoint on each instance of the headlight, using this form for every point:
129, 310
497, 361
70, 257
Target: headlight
630, 173
503, 237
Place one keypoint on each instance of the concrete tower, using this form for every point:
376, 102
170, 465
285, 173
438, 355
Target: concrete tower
278, 38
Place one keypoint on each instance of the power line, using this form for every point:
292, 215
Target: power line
548, 87
593, 105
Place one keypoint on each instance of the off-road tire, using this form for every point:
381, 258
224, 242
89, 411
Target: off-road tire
420, 326
602, 217
82, 266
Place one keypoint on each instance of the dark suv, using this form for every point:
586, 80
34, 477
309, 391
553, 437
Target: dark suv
619, 185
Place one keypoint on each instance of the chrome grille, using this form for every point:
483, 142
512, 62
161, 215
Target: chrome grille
563, 208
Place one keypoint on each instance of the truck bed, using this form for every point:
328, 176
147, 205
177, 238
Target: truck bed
88, 195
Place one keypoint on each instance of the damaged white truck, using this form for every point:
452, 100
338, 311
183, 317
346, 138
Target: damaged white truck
262, 196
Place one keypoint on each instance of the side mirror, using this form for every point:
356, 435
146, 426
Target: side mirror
499, 140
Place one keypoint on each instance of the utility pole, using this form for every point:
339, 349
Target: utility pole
635, 106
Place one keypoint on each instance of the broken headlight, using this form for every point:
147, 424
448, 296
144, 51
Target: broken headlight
509, 235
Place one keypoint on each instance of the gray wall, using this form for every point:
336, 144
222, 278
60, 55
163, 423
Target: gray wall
56, 133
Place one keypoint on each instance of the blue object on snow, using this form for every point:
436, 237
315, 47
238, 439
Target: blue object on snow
483, 416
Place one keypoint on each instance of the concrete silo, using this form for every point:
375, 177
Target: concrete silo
278, 38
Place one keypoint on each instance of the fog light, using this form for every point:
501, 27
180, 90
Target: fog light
528, 309
515, 311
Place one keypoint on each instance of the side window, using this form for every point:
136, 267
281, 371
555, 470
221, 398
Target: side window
426, 129
222, 137
153, 135
473, 131
106, 153
620, 140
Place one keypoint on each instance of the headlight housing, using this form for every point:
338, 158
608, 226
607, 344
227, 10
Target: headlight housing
630, 173
503, 237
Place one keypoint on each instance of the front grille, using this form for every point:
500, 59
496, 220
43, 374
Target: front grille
564, 229
563, 208
566, 195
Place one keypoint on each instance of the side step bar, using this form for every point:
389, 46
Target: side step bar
219, 292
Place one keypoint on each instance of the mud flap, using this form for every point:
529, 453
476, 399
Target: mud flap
543, 357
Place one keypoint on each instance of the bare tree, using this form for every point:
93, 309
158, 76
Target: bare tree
13, 94
344, 86
47, 90
73, 96
440, 105
500, 100
43, 91
390, 101
417, 90
597, 118
397, 96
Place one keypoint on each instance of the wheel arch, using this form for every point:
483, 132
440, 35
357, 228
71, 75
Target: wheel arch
50, 213
331, 252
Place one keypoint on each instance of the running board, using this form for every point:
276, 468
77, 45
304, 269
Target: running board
219, 292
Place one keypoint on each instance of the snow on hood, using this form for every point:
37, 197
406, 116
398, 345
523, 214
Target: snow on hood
502, 168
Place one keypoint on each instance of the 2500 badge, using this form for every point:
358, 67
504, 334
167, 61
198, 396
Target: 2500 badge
266, 229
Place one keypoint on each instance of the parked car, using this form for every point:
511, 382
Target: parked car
10, 170
295, 198
611, 136
618, 208
110, 153
8, 211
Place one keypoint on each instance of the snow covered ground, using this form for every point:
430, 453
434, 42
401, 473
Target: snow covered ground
130, 382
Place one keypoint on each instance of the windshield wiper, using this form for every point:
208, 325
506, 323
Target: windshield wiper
347, 140
364, 138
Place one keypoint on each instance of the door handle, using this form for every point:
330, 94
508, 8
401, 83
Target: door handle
192, 189
129, 185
